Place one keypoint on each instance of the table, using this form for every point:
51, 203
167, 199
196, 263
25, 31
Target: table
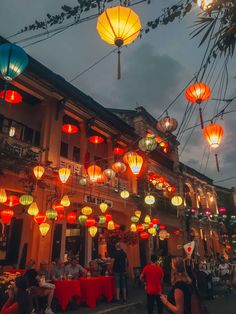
87, 290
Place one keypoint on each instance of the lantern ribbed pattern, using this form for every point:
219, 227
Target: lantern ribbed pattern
71, 217
134, 219
133, 228
40, 218
102, 220
86, 210
44, 228
93, 231
213, 133
135, 162
3, 196
149, 200
26, 199
51, 214
111, 225
94, 172
124, 194
82, 219
167, 124
176, 200
198, 92
64, 174
109, 173
11, 96
65, 201
118, 26
38, 172
119, 167
13, 61
33, 209
103, 207
6, 215
147, 144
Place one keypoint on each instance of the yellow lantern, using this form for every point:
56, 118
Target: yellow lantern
94, 172
102, 220
138, 213
152, 231
176, 200
44, 228
3, 196
149, 199
64, 174
51, 214
33, 209
118, 26
147, 219
93, 231
135, 162
26, 199
38, 172
103, 206
86, 210
111, 225
134, 219
133, 228
65, 201
124, 194
82, 219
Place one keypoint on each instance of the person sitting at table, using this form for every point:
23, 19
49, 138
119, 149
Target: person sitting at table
33, 278
75, 270
58, 270
43, 270
94, 268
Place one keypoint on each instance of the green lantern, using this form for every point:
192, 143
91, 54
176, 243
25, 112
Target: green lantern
82, 219
26, 199
51, 214
102, 220
134, 219
147, 144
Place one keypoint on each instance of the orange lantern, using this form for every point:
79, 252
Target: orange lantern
6, 215
109, 173
101, 179
135, 162
119, 167
12, 200
38, 172
64, 174
118, 26
40, 218
69, 128
71, 217
94, 172
96, 139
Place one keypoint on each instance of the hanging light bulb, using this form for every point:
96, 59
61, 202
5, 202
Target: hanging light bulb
65, 201
44, 228
103, 207
33, 209
38, 172
64, 174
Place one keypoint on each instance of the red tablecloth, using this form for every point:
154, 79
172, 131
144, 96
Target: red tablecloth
65, 290
108, 287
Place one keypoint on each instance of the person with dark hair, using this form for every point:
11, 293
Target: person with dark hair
58, 270
153, 275
74, 270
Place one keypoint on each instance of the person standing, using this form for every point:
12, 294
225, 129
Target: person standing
153, 275
120, 264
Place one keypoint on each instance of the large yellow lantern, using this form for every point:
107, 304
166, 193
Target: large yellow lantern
64, 174
44, 228
33, 209
177, 200
93, 231
3, 196
38, 172
149, 199
111, 225
124, 194
86, 210
138, 213
65, 201
26, 199
147, 219
135, 162
94, 172
118, 26
133, 228
103, 207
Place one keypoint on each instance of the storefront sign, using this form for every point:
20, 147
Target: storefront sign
97, 200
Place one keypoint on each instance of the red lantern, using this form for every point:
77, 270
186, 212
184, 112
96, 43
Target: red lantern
61, 216
140, 228
6, 215
11, 96
151, 225
171, 189
12, 200
96, 139
162, 227
70, 128
108, 217
40, 218
222, 211
118, 151
71, 217
155, 221
117, 226
90, 222
144, 235
58, 208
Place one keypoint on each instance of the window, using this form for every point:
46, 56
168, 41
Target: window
76, 154
28, 135
37, 138
64, 149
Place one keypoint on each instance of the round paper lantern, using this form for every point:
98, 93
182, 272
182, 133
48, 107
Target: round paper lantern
124, 194
118, 26
134, 219
83, 181
213, 133
102, 220
82, 219
140, 228
133, 228
61, 216
103, 207
44, 228
118, 150
147, 219
11, 96
138, 213
94, 172
135, 162
111, 225
101, 179
108, 217
38, 172
65, 201
222, 211
162, 227
58, 207
12, 200
117, 226
109, 173
26, 199
86, 210
3, 196
96, 139
6, 215
13, 61
90, 222
167, 124
143, 235
93, 231
51, 214
147, 144
152, 231
176, 200
149, 199
40, 218
71, 217
33, 209
69, 128
155, 221
119, 167
198, 92
64, 174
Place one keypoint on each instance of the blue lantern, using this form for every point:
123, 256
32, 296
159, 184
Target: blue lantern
13, 61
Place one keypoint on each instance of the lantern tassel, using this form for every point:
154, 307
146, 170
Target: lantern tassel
217, 163
201, 118
118, 66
